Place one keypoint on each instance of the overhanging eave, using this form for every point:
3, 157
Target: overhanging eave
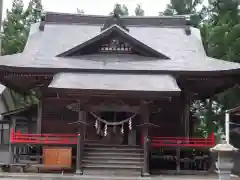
116, 83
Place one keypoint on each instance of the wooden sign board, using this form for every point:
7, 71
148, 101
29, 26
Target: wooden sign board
57, 157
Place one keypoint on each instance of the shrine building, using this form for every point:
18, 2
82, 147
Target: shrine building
114, 95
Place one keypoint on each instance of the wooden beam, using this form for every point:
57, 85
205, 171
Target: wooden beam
112, 108
186, 112
146, 143
78, 159
86, 93
39, 117
11, 147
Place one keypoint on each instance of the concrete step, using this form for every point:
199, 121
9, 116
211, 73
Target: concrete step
120, 158
113, 149
111, 172
118, 154
108, 159
110, 145
114, 162
112, 166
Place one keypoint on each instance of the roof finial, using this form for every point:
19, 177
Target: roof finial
114, 19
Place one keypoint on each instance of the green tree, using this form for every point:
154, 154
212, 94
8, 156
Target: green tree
139, 11
120, 9
182, 7
16, 25
221, 39
224, 41
16, 28
80, 11
185, 7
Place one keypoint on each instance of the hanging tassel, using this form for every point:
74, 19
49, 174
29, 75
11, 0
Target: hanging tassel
105, 130
130, 124
99, 128
96, 124
122, 129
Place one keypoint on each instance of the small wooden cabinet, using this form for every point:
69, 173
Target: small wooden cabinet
57, 156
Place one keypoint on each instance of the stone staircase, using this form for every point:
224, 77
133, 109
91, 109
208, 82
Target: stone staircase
106, 159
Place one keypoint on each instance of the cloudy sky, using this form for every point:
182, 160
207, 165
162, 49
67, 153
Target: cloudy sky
101, 7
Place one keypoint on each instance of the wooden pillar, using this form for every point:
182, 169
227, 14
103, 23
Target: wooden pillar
12, 149
39, 117
78, 160
146, 143
80, 142
178, 154
39, 124
186, 115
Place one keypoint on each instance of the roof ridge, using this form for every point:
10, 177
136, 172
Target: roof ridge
68, 18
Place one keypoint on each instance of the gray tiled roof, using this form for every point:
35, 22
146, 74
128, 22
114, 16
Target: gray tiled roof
119, 62
119, 82
186, 52
173, 42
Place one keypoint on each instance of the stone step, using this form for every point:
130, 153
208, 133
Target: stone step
115, 149
121, 158
114, 162
110, 172
110, 145
111, 166
118, 154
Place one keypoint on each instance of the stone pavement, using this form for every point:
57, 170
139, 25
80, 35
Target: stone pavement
34, 176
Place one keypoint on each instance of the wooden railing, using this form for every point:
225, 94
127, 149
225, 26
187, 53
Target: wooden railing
183, 141
65, 139
18, 137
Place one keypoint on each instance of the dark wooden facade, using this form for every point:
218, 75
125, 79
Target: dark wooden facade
113, 68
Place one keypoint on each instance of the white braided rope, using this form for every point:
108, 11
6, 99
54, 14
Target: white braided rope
112, 123
130, 124
105, 130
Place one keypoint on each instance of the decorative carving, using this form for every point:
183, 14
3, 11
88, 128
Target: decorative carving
115, 46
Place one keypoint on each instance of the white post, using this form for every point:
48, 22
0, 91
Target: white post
1, 21
227, 118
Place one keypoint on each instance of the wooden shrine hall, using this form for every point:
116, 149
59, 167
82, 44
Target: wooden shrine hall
112, 93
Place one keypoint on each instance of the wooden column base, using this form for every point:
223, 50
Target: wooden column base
145, 174
79, 172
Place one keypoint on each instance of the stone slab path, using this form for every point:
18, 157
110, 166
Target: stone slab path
34, 176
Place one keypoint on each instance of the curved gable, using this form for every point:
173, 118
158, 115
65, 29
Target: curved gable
107, 37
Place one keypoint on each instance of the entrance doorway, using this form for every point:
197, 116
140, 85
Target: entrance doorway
116, 134
121, 128
123, 133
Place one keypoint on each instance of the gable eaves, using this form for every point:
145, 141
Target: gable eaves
105, 33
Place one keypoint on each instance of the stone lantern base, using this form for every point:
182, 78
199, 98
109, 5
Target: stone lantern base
225, 161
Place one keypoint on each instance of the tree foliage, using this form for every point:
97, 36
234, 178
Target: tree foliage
220, 30
185, 7
120, 9
182, 7
139, 11
16, 27
80, 11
